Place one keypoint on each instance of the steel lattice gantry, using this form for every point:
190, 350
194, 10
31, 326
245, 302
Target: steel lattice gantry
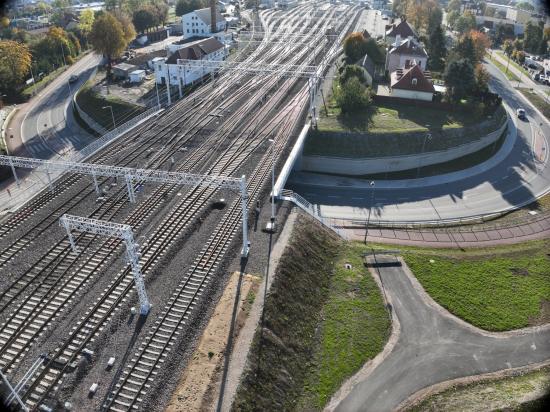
118, 230
132, 175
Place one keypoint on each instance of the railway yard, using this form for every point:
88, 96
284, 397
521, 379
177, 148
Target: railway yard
75, 308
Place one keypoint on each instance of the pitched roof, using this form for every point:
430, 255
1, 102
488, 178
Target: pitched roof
402, 28
404, 80
196, 50
205, 16
411, 47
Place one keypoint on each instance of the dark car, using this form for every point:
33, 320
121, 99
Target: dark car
73, 78
521, 114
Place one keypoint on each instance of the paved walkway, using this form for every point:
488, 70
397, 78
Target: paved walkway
429, 345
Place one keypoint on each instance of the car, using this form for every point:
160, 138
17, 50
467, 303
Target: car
520, 113
73, 78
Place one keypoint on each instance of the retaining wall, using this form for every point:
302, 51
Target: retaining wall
363, 166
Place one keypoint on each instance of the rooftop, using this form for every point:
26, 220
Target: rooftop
414, 79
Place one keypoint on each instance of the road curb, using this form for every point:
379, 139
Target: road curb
5, 127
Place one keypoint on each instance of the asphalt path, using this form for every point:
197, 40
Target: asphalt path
516, 180
433, 346
45, 127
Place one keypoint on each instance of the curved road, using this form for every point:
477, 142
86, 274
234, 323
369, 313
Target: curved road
515, 180
433, 346
45, 126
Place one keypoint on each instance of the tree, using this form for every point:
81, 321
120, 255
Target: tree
459, 79
43, 8
144, 19
435, 18
465, 49
481, 44
482, 79
465, 23
15, 63
127, 25
525, 6
355, 46
353, 71
454, 5
518, 44
437, 50
532, 37
4, 22
519, 56
508, 47
85, 21
490, 11
374, 51
107, 38
352, 96
160, 9
503, 32
452, 18
187, 6
418, 12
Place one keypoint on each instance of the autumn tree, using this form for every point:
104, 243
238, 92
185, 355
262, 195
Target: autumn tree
465, 49
355, 46
482, 79
86, 21
508, 47
465, 23
419, 12
127, 26
107, 38
4, 22
481, 44
15, 63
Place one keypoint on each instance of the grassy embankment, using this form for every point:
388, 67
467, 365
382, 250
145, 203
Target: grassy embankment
524, 392
514, 63
541, 103
511, 76
322, 323
92, 103
496, 289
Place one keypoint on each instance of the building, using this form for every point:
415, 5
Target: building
199, 23
402, 29
137, 76
171, 67
404, 52
412, 83
379, 4
123, 70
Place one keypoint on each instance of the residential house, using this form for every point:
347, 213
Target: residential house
172, 67
412, 83
199, 23
403, 52
402, 29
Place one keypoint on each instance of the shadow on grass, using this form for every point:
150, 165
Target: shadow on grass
358, 121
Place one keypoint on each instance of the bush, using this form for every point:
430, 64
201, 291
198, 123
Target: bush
352, 96
353, 71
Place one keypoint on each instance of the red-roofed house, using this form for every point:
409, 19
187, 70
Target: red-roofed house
412, 83
403, 53
401, 29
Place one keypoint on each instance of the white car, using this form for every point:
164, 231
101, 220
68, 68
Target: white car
520, 113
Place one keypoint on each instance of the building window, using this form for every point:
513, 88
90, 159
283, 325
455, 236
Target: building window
187, 30
203, 30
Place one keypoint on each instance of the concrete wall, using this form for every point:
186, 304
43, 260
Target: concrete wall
363, 166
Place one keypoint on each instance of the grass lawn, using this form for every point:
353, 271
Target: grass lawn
354, 329
495, 289
92, 103
509, 393
514, 63
512, 77
538, 101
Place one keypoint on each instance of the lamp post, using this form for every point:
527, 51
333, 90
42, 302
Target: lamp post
428, 137
271, 226
112, 115
372, 184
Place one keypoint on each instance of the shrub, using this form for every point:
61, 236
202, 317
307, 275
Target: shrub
353, 71
352, 96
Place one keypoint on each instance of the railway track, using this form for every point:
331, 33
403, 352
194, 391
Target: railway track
180, 218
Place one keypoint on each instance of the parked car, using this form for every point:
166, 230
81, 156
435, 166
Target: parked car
536, 76
520, 113
73, 78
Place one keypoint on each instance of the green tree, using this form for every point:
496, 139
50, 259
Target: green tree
86, 21
187, 6
127, 26
532, 37
15, 63
465, 49
525, 6
107, 38
160, 8
508, 47
465, 23
454, 5
437, 51
144, 19
352, 96
459, 80
353, 71
482, 79
452, 18
374, 51
43, 8
518, 44
355, 46
435, 18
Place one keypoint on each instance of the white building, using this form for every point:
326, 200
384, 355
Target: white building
179, 75
403, 53
412, 83
198, 23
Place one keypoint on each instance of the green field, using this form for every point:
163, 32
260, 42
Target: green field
496, 289
512, 77
92, 103
355, 328
543, 104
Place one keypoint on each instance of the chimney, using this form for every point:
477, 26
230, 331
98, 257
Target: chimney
213, 16
397, 40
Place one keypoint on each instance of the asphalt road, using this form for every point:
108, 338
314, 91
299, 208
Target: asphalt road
45, 127
433, 347
516, 179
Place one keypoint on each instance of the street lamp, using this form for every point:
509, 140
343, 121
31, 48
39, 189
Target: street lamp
428, 137
112, 115
370, 209
271, 226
